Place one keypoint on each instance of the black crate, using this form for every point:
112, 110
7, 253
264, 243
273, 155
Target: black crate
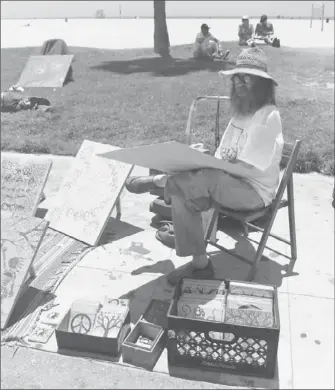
197, 343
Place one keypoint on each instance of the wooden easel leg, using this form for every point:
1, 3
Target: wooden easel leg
118, 208
32, 272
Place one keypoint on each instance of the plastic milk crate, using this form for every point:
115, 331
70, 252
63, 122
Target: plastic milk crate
249, 350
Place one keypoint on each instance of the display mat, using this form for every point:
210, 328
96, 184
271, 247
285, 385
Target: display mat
55, 257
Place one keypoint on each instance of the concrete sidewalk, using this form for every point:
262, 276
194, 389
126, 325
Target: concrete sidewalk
31, 369
135, 263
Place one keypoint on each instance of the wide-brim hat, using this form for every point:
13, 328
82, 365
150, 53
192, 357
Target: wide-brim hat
245, 17
251, 61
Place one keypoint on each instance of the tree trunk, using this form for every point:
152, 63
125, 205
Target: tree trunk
161, 35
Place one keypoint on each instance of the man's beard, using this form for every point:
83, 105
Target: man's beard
243, 104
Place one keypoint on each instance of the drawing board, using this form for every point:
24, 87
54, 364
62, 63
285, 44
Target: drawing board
168, 157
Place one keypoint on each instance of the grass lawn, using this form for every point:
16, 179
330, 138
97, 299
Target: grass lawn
130, 98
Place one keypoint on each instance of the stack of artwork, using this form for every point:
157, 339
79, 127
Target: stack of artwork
250, 305
81, 210
202, 299
240, 304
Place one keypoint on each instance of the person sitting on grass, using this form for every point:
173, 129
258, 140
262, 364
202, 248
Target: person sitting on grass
12, 101
208, 47
245, 32
252, 145
264, 31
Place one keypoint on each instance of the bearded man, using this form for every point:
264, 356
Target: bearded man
252, 144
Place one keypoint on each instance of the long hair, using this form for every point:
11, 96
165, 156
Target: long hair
261, 93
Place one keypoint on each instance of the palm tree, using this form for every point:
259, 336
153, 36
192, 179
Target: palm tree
161, 35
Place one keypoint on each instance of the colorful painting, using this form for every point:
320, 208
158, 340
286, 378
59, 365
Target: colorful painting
249, 318
115, 302
109, 324
20, 240
22, 183
192, 287
45, 71
249, 311
41, 333
82, 316
255, 290
248, 302
202, 309
88, 194
51, 317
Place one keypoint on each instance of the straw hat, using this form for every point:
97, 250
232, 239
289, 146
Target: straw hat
251, 61
245, 17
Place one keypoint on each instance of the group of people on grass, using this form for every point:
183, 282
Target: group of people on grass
207, 46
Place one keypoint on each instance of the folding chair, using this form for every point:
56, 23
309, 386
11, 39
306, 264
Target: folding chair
289, 159
288, 162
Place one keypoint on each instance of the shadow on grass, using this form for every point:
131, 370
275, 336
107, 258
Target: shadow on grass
160, 67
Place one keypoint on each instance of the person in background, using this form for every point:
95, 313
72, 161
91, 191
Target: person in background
264, 30
13, 101
252, 148
206, 46
245, 32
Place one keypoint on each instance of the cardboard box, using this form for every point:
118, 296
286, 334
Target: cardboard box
146, 341
109, 344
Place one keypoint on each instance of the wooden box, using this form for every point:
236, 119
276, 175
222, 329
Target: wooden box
110, 345
151, 327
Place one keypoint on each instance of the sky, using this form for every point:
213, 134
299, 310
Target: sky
54, 9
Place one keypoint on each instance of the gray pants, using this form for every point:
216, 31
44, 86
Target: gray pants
193, 195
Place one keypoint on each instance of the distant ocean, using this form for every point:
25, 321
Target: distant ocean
138, 33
